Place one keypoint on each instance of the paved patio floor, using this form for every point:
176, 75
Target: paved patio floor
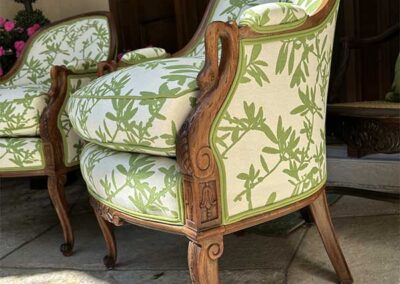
369, 232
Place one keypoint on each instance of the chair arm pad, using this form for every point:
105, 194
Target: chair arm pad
80, 66
273, 17
143, 54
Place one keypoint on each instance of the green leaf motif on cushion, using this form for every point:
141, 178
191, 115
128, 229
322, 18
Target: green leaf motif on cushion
21, 154
140, 185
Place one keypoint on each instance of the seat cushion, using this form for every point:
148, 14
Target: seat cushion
139, 108
21, 154
140, 185
21, 108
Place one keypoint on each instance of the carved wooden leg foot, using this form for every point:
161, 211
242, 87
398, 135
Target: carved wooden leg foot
109, 262
320, 212
107, 229
203, 260
55, 186
66, 249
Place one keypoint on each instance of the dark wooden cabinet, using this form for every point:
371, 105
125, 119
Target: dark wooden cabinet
370, 69
163, 23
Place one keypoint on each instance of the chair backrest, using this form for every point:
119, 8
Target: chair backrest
227, 10
83, 37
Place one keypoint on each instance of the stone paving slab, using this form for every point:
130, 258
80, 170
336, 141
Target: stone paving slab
369, 232
351, 206
371, 246
27, 213
141, 248
38, 276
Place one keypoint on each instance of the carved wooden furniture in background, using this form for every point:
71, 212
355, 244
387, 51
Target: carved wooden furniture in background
367, 44
367, 127
53, 162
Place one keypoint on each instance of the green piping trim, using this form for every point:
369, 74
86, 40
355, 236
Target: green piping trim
277, 205
149, 217
274, 28
170, 151
139, 98
222, 174
26, 53
62, 110
22, 169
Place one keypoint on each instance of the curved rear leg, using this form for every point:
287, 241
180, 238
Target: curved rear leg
320, 212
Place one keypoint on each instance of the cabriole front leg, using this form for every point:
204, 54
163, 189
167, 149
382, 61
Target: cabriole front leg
55, 185
203, 259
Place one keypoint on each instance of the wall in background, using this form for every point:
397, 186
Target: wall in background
55, 9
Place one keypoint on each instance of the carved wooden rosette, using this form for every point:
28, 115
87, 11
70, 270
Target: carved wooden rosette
194, 154
371, 135
107, 213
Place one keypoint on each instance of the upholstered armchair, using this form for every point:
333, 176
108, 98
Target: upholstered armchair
226, 134
36, 137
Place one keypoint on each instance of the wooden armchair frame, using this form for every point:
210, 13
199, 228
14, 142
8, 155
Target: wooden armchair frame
53, 148
203, 218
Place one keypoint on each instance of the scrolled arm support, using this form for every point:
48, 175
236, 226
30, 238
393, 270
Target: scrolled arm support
49, 132
194, 154
105, 67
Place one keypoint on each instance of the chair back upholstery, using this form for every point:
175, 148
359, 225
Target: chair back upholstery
269, 136
230, 10
84, 37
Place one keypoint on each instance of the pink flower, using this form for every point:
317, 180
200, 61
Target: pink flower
19, 46
2, 51
1, 71
9, 26
2, 21
31, 30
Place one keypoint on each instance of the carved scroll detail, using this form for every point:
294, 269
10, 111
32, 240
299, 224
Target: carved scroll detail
106, 212
194, 154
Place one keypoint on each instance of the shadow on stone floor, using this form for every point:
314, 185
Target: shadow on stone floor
30, 237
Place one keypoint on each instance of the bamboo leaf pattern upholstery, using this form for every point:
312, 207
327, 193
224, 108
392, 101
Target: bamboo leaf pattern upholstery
17, 153
143, 54
79, 44
265, 17
275, 117
268, 138
142, 185
139, 108
21, 108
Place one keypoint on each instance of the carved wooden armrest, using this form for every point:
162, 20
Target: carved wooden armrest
105, 67
49, 132
194, 154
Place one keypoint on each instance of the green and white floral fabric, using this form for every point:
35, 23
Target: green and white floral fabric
140, 185
82, 66
21, 154
269, 136
273, 17
79, 44
143, 54
20, 109
73, 144
139, 108
82, 38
